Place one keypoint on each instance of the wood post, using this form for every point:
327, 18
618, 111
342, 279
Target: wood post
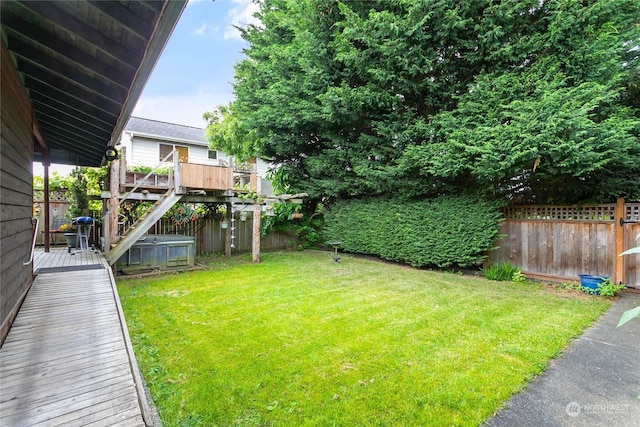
255, 242
227, 232
113, 206
123, 170
619, 262
47, 204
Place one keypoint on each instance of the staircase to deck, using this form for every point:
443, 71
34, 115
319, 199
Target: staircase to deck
124, 242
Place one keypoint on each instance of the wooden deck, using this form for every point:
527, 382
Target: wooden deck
66, 358
60, 259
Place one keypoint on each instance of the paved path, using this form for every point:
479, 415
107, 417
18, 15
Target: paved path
596, 382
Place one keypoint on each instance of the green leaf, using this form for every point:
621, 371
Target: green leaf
635, 250
628, 315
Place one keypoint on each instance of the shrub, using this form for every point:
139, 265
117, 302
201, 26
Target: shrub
607, 288
518, 277
443, 232
162, 170
503, 272
79, 198
307, 229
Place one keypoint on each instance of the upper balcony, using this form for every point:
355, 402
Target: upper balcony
191, 177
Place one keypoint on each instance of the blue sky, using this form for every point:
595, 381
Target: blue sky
195, 71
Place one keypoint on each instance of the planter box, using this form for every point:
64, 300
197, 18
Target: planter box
591, 282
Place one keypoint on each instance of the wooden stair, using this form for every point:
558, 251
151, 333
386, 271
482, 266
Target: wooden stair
142, 225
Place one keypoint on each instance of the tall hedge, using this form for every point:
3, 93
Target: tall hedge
443, 232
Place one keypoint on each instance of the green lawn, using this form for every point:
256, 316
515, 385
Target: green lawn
299, 340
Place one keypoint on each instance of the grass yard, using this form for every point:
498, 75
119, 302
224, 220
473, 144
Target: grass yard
299, 340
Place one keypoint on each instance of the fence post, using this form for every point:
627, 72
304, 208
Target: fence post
619, 264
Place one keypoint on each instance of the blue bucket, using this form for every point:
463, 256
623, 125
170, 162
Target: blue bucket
591, 282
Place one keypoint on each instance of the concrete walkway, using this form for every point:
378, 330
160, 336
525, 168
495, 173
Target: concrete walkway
596, 381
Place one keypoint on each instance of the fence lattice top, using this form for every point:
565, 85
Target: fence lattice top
633, 212
545, 213
54, 195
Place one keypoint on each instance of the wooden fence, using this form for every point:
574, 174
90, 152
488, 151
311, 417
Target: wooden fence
209, 235
560, 242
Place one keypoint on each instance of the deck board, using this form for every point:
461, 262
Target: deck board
60, 257
65, 359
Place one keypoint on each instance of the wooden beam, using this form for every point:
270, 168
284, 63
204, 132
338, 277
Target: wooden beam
72, 121
126, 18
47, 69
60, 19
39, 136
168, 16
105, 109
81, 114
70, 55
68, 141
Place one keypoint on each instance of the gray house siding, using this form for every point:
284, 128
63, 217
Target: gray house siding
16, 195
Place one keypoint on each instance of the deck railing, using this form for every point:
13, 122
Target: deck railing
206, 177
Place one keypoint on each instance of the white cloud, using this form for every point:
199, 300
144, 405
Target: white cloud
242, 16
184, 109
200, 31
206, 30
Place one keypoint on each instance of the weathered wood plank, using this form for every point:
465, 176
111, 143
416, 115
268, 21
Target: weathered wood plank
38, 359
82, 371
16, 152
206, 177
109, 413
632, 262
27, 348
41, 396
79, 409
65, 360
556, 248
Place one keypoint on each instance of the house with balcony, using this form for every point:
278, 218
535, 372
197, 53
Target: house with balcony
147, 142
167, 163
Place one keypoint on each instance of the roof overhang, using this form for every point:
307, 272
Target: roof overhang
84, 65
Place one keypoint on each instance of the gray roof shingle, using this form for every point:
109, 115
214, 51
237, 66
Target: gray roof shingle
167, 130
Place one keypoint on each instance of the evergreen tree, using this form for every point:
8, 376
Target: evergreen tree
529, 100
